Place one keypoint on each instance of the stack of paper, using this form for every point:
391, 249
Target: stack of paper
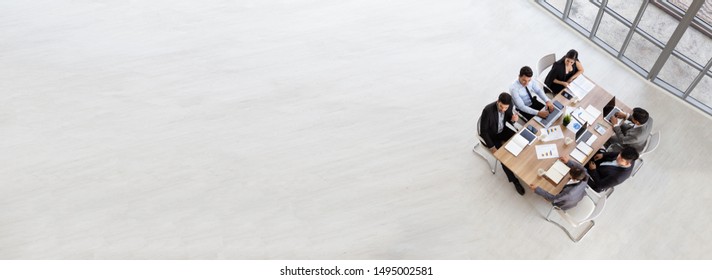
557, 171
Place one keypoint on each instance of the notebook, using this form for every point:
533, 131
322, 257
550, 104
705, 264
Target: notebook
520, 141
557, 171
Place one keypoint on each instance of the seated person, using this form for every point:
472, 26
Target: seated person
525, 103
572, 192
563, 72
494, 132
611, 168
633, 133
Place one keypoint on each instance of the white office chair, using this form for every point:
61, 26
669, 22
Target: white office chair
588, 209
483, 151
650, 145
544, 63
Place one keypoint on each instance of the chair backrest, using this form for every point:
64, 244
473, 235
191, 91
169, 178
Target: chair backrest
652, 143
589, 208
544, 63
478, 131
599, 201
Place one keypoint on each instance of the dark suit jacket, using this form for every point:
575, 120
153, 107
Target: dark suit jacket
604, 177
558, 71
488, 123
627, 134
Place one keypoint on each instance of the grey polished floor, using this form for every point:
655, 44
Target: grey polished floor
305, 129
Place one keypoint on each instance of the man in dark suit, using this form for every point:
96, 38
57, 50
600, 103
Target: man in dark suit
494, 132
612, 168
633, 132
572, 192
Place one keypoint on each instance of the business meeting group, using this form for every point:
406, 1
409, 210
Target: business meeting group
564, 138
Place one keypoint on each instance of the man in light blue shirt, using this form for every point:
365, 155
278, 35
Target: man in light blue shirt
523, 91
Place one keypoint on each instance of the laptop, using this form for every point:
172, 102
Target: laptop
553, 116
583, 135
610, 109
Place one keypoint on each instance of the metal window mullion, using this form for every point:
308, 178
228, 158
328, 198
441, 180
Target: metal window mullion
567, 9
650, 38
687, 60
675, 38
597, 22
618, 17
636, 21
698, 79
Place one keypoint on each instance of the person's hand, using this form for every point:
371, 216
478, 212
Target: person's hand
592, 165
564, 159
543, 114
515, 117
598, 156
614, 120
620, 115
550, 106
565, 84
493, 149
532, 187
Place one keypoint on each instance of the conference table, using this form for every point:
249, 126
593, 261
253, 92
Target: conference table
526, 164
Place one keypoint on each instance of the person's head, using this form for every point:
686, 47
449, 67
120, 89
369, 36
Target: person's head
627, 156
503, 101
640, 116
577, 173
525, 75
570, 57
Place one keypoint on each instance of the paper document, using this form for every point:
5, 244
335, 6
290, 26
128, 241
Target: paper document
593, 112
551, 133
583, 116
546, 151
581, 86
591, 139
574, 125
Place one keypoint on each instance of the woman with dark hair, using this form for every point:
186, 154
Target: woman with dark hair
563, 72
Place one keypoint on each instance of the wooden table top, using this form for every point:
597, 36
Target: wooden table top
526, 164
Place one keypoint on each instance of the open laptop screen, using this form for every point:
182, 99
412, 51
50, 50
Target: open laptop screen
609, 107
581, 131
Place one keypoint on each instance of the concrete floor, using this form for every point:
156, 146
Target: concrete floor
304, 129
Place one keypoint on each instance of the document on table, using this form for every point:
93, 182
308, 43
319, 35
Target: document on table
581, 87
552, 133
546, 151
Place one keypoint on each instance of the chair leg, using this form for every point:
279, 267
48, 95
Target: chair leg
574, 239
637, 167
493, 165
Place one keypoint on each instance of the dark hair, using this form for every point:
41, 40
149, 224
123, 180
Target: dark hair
526, 71
629, 153
505, 98
572, 54
640, 115
577, 173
